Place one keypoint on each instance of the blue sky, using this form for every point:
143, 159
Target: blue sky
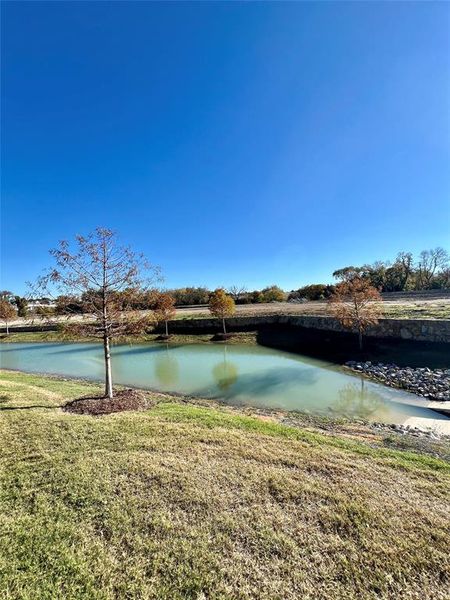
233, 143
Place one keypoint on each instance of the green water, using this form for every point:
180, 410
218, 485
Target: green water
236, 374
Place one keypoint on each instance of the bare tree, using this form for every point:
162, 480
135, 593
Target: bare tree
7, 312
430, 262
106, 277
354, 304
236, 292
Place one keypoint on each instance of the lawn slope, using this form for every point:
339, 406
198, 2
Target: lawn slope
190, 502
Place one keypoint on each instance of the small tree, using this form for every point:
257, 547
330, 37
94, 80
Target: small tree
164, 308
22, 306
352, 303
101, 272
221, 306
7, 312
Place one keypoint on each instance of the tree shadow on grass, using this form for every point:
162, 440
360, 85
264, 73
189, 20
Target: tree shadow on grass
25, 407
4, 398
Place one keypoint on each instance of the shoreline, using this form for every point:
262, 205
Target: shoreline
292, 418
431, 384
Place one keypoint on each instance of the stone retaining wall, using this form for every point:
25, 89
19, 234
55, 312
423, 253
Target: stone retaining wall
424, 330
407, 329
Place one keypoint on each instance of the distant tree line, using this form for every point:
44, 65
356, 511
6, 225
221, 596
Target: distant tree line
202, 295
431, 270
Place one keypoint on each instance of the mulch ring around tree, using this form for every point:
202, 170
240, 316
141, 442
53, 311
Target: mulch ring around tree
128, 399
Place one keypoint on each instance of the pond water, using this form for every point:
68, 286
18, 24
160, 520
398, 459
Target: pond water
237, 374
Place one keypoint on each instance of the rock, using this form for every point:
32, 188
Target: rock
429, 383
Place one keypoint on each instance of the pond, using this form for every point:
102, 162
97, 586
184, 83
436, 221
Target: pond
236, 374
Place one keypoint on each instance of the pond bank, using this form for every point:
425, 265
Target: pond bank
428, 383
237, 374
433, 429
422, 439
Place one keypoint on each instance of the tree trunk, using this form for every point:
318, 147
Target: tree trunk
167, 328
108, 377
224, 328
360, 339
7, 328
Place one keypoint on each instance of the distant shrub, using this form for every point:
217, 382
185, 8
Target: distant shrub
315, 291
245, 298
273, 294
68, 305
256, 297
191, 295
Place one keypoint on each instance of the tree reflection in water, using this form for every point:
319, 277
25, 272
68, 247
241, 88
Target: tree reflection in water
225, 373
166, 367
359, 401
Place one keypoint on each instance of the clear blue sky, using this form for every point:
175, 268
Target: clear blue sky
247, 143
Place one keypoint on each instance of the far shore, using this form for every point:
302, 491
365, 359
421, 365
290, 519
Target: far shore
395, 308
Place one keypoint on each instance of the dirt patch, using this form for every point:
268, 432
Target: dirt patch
221, 337
99, 405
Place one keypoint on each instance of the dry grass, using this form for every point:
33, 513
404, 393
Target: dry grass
395, 309
188, 502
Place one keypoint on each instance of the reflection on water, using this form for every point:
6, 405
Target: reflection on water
166, 368
269, 383
238, 374
355, 400
225, 373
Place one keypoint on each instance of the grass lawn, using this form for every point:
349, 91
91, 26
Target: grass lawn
191, 502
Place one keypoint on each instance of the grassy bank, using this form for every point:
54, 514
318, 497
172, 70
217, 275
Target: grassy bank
184, 501
248, 337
